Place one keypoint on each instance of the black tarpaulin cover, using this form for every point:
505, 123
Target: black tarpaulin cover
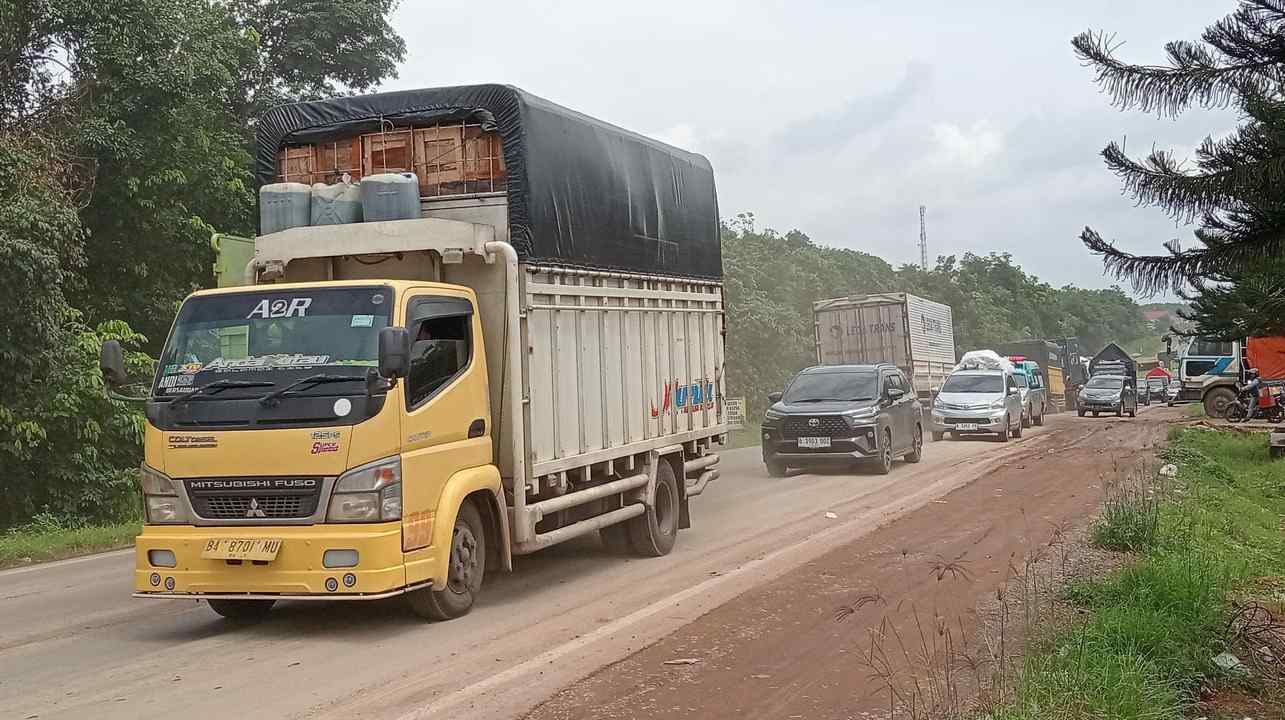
580, 191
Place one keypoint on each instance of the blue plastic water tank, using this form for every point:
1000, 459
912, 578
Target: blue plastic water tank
390, 196
336, 204
283, 206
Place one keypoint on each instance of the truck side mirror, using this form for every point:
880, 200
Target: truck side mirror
774, 397
111, 362
394, 352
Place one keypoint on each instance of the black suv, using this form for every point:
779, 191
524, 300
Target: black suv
840, 414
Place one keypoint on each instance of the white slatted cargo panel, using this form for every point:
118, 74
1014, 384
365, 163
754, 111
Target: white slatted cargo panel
914, 334
618, 364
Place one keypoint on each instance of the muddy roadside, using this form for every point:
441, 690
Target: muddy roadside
778, 651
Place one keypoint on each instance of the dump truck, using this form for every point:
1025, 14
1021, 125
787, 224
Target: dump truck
401, 407
915, 334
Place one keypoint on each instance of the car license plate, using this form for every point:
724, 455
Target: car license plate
241, 549
814, 442
966, 426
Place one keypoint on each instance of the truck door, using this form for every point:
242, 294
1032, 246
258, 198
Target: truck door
447, 424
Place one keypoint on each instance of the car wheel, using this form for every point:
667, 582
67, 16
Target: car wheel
1003, 433
1026, 418
917, 453
954, 435
1039, 419
885, 454
1017, 431
1119, 412
938, 436
776, 468
1095, 413
1080, 412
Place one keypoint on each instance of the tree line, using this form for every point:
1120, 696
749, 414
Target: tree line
771, 280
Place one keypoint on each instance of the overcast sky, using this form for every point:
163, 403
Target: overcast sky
841, 118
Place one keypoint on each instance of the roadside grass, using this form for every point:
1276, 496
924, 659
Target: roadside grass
745, 437
47, 538
1149, 632
1194, 410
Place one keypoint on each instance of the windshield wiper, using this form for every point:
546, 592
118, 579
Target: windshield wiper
812, 400
213, 387
318, 379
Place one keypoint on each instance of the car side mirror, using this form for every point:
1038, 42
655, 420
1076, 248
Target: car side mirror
394, 352
774, 397
896, 393
1014, 391
111, 362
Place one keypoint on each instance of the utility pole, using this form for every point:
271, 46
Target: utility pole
923, 239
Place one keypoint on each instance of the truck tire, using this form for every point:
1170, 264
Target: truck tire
242, 610
917, 451
1217, 400
653, 533
615, 538
938, 436
467, 566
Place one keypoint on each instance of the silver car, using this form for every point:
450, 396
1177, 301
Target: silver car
978, 402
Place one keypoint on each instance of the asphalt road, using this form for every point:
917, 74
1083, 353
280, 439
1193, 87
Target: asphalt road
74, 644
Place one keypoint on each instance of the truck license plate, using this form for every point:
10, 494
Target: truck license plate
814, 442
241, 549
966, 426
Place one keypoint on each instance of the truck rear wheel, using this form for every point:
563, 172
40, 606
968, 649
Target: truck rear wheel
654, 532
467, 565
242, 610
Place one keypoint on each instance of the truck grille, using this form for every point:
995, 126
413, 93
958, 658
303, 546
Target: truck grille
826, 426
255, 504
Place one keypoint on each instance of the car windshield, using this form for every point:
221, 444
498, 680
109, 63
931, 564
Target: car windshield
1105, 383
973, 384
274, 337
1021, 380
823, 386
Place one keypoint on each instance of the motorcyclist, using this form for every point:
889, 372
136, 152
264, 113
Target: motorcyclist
1249, 393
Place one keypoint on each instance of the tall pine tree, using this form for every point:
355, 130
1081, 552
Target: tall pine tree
1235, 190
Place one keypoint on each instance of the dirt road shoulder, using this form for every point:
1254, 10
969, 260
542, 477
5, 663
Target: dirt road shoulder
777, 651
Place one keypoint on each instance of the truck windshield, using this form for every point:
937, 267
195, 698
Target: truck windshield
973, 384
275, 337
840, 386
1021, 380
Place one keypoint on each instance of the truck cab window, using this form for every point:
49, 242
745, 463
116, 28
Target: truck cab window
440, 350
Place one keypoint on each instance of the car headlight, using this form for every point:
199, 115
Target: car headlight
999, 404
854, 416
160, 497
370, 493
771, 414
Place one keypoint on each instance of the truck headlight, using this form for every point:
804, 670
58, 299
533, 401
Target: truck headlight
370, 493
160, 497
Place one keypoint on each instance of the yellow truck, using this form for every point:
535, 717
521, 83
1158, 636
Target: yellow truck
400, 407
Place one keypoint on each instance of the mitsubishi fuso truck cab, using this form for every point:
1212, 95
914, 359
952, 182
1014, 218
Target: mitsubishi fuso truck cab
401, 406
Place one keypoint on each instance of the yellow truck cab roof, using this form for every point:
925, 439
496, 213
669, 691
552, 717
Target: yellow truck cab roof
398, 286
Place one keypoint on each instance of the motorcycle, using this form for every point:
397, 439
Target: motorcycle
1246, 406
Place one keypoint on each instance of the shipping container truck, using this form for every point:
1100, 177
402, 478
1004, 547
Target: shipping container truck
401, 407
915, 334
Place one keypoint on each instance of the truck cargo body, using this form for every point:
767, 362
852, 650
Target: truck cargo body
915, 334
524, 391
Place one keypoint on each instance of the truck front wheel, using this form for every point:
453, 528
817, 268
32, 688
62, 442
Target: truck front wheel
242, 610
464, 578
1217, 400
654, 532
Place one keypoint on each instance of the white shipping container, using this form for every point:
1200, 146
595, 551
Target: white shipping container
915, 334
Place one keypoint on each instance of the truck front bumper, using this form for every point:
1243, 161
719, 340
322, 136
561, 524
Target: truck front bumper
298, 571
